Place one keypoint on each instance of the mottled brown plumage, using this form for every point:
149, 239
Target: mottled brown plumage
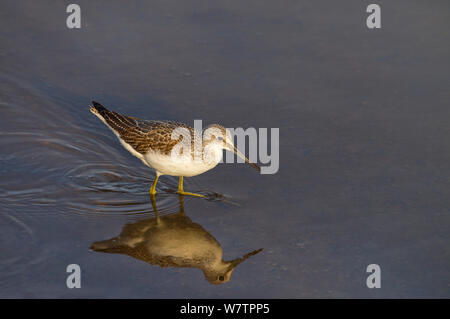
142, 135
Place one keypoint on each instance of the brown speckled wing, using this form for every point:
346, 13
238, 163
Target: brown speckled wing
142, 135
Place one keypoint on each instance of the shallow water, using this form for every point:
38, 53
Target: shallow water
364, 155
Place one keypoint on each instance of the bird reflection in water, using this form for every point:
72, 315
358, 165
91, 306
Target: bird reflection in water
173, 241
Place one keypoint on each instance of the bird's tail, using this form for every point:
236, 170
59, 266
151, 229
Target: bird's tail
98, 109
119, 124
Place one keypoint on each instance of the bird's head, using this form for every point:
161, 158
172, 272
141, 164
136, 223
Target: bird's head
222, 272
217, 136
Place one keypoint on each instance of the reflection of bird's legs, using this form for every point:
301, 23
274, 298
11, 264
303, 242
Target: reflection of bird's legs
153, 199
181, 199
182, 192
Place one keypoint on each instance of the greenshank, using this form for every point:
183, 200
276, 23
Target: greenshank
153, 142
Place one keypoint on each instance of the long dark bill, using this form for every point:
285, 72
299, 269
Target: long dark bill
236, 151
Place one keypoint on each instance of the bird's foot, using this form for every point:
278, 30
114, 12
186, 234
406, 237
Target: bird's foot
191, 194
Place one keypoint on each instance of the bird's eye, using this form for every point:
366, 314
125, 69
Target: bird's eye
221, 278
220, 138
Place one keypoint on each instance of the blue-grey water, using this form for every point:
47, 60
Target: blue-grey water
364, 145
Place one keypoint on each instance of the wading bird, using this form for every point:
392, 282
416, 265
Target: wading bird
155, 143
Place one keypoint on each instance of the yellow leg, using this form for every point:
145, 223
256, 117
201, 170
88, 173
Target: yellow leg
182, 192
153, 188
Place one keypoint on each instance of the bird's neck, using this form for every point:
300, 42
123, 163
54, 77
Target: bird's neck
213, 153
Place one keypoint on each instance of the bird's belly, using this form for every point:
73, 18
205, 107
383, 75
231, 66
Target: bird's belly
167, 165
183, 243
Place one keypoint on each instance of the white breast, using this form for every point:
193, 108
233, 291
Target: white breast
181, 166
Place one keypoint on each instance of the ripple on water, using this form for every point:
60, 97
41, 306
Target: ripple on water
104, 188
21, 252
